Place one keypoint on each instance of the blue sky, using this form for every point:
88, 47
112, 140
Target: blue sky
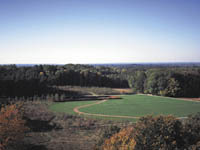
99, 31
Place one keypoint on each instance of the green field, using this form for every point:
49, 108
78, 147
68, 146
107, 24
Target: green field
134, 105
67, 107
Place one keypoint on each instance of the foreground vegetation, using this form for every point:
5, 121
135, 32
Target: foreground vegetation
43, 130
155, 133
12, 126
34, 127
27, 123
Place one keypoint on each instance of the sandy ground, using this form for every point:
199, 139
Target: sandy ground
123, 91
193, 99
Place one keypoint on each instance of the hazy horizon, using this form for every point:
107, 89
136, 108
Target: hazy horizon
99, 32
115, 63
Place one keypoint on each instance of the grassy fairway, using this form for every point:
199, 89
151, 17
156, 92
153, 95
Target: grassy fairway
140, 105
134, 105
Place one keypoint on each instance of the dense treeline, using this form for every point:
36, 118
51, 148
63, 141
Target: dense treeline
171, 81
41, 80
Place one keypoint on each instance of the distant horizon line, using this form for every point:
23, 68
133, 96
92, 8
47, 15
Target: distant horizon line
101, 63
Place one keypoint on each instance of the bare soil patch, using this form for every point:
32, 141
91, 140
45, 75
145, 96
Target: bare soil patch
124, 91
192, 99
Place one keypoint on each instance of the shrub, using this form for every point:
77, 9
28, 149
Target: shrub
12, 126
121, 141
149, 133
158, 133
191, 130
161, 132
107, 133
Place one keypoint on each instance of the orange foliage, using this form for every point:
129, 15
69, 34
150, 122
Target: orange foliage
121, 141
12, 126
114, 97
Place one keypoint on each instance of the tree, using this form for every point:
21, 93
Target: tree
161, 132
139, 81
12, 126
158, 133
121, 141
173, 87
151, 83
192, 130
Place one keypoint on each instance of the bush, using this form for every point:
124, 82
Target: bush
149, 133
106, 134
12, 126
121, 141
158, 133
191, 130
161, 132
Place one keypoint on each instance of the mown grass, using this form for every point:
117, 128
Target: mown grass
134, 105
67, 107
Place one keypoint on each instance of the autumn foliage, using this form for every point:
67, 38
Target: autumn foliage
148, 133
158, 133
121, 141
12, 125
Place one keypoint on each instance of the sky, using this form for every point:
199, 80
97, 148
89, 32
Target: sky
99, 31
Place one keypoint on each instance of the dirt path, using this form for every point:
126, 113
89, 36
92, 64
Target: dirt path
178, 98
76, 110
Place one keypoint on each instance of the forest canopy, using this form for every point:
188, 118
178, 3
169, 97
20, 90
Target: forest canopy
39, 80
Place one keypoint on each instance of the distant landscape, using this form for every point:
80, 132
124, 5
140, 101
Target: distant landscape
80, 100
99, 75
127, 64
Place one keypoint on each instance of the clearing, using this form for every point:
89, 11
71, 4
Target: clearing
130, 106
